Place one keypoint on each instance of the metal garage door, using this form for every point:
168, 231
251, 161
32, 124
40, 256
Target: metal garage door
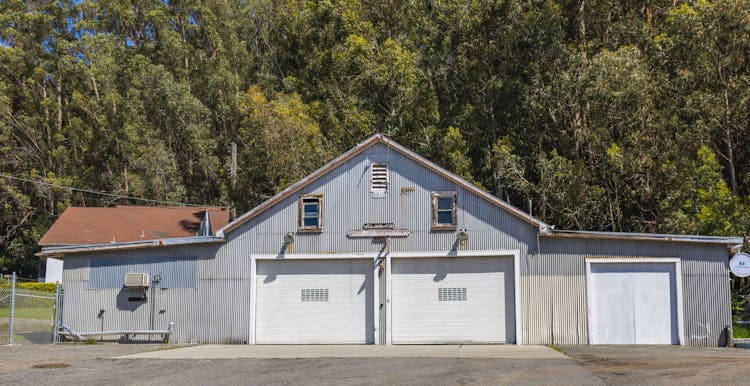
632, 303
453, 300
314, 301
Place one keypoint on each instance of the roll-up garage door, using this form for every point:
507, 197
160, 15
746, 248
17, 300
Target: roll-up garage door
453, 300
633, 303
314, 301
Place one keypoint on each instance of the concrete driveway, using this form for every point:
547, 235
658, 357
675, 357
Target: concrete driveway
351, 351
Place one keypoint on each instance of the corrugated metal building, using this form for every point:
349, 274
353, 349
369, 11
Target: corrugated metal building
380, 246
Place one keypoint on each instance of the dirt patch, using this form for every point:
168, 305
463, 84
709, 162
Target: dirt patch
663, 364
27, 330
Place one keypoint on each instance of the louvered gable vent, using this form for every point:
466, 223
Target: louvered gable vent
379, 178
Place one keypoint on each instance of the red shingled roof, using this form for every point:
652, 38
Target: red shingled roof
78, 225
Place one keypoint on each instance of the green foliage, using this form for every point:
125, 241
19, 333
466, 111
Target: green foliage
739, 302
624, 117
44, 287
740, 332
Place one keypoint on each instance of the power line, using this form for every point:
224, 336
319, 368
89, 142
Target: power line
98, 192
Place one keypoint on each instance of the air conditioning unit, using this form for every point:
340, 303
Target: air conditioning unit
136, 280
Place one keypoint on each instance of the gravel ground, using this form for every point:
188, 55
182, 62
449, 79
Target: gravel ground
23, 356
321, 371
85, 365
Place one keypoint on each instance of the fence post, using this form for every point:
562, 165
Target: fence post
57, 313
12, 306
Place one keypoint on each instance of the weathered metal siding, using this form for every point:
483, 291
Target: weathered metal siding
554, 287
174, 272
215, 311
553, 282
348, 205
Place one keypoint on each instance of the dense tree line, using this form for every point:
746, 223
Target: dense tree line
625, 116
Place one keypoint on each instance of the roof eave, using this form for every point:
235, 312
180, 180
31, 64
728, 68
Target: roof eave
85, 248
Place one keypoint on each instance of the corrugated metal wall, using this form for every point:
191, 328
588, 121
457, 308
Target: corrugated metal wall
554, 287
216, 311
553, 283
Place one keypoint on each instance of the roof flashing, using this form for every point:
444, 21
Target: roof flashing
645, 236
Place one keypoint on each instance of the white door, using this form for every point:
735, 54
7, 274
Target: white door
452, 300
314, 301
633, 303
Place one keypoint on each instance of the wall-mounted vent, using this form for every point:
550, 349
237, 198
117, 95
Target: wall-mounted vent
314, 295
136, 280
451, 294
379, 179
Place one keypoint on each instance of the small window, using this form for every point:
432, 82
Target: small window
444, 210
311, 212
379, 178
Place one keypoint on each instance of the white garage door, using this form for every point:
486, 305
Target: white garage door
453, 300
633, 303
314, 301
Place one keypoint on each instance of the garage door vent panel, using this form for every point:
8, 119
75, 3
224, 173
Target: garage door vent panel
314, 294
451, 294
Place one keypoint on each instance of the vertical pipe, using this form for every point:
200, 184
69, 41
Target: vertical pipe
57, 313
12, 307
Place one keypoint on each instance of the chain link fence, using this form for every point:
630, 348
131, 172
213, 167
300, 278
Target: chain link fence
29, 311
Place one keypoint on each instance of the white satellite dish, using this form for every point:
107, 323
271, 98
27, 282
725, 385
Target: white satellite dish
739, 264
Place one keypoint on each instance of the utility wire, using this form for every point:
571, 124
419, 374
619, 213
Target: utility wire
98, 192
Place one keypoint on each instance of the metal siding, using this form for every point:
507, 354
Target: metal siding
552, 284
554, 287
211, 313
553, 281
175, 272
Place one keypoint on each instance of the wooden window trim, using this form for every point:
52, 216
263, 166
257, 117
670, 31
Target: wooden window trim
301, 213
444, 227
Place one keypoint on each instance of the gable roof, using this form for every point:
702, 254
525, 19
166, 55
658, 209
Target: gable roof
77, 225
361, 147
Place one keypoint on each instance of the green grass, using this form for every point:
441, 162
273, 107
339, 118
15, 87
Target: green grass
739, 331
557, 348
42, 313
